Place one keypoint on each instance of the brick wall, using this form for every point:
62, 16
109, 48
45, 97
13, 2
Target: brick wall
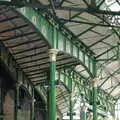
8, 106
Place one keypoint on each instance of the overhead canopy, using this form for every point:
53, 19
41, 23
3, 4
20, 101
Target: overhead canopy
95, 23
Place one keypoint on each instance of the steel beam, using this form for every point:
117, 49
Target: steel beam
90, 9
85, 90
109, 50
64, 40
99, 40
90, 28
87, 23
100, 4
114, 88
8, 60
109, 77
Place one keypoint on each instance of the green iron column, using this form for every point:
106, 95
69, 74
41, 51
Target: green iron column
94, 98
118, 51
71, 111
83, 115
70, 102
94, 89
52, 85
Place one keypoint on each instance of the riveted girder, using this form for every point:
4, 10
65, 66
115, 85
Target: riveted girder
63, 40
63, 76
66, 41
105, 102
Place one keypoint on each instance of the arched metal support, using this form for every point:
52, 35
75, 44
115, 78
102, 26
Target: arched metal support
63, 40
79, 54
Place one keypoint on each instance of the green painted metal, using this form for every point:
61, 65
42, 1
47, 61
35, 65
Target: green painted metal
87, 23
114, 88
52, 92
94, 103
114, 48
90, 28
118, 51
94, 89
95, 7
104, 101
100, 40
64, 76
63, 40
70, 98
99, 4
64, 43
109, 76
